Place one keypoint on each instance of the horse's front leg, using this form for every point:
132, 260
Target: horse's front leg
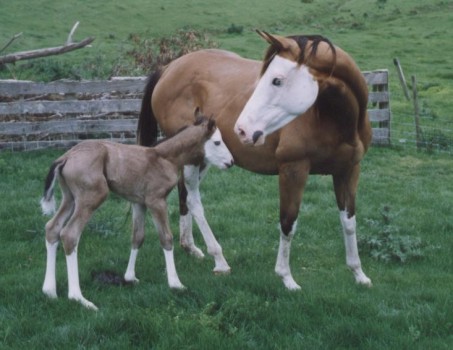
138, 237
345, 186
185, 222
192, 178
159, 213
292, 180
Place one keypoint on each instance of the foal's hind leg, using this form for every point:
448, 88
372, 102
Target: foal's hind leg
192, 177
87, 201
345, 191
53, 229
138, 236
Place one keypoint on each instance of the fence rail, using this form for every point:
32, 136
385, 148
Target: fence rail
60, 114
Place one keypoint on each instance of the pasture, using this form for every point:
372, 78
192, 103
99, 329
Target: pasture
409, 306
404, 215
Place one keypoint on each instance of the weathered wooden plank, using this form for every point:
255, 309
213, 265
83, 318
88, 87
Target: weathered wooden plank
377, 77
379, 115
24, 88
92, 107
60, 144
378, 96
381, 136
68, 127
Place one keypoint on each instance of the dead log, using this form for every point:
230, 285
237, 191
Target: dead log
25, 55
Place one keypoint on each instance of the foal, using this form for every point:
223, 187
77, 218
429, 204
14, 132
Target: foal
144, 176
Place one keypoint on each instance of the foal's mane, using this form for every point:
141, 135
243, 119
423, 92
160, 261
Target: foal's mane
200, 119
302, 41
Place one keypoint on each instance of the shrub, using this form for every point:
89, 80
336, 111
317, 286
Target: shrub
147, 55
387, 244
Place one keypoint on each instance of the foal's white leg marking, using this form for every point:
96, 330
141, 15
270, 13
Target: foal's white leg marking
352, 254
74, 291
192, 182
50, 285
282, 266
186, 236
172, 276
130, 271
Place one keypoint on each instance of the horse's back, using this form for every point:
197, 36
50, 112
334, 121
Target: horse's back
208, 79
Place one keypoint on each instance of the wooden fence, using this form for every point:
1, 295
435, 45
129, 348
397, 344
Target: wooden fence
62, 113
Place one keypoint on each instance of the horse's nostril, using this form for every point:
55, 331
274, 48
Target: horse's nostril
257, 135
241, 132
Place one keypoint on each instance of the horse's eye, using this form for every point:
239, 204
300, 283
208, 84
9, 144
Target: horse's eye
277, 82
217, 143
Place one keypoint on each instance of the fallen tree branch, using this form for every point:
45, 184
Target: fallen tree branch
25, 55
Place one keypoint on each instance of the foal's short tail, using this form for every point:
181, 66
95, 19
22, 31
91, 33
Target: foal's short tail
48, 200
147, 129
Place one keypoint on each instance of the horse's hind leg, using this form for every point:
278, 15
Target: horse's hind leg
53, 229
192, 177
138, 236
345, 186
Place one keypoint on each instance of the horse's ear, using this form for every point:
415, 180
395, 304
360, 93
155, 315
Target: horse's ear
280, 43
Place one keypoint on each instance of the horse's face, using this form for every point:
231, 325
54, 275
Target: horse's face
216, 152
284, 91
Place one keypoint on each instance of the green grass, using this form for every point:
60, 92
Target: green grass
409, 306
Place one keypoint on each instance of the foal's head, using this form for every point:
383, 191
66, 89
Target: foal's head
215, 151
198, 143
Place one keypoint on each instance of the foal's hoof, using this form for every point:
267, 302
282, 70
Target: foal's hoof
195, 251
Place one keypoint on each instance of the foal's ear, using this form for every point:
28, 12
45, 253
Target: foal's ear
211, 124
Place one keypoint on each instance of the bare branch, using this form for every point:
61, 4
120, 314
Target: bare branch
25, 55
71, 33
10, 41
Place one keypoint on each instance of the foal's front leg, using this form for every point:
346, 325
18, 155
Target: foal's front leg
160, 219
192, 178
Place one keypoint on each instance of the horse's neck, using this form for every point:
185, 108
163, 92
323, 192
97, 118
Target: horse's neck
181, 151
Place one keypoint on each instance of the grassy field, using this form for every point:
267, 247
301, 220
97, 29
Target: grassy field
409, 306
404, 203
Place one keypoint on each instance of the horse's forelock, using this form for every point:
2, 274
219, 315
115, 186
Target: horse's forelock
302, 42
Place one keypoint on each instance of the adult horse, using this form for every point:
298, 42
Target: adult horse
301, 111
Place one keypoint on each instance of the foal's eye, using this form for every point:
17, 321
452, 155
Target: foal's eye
277, 82
217, 143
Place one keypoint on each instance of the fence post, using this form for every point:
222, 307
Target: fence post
418, 132
399, 69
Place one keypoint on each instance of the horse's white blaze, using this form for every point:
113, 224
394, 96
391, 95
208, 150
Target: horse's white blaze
50, 285
130, 270
282, 266
216, 152
172, 276
285, 91
74, 291
352, 253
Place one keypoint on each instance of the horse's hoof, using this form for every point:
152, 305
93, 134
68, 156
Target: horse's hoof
219, 272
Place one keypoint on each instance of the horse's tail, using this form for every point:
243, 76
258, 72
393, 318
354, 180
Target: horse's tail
48, 200
147, 129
